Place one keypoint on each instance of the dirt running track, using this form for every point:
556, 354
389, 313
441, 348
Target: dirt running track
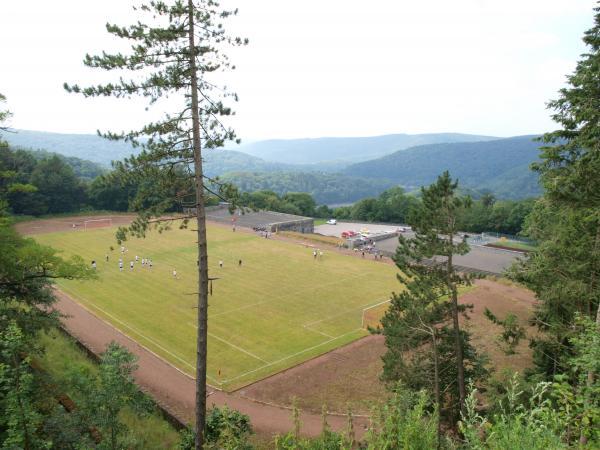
173, 389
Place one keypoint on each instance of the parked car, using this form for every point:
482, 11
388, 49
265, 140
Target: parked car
349, 233
331, 222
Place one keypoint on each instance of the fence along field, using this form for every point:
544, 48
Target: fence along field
281, 307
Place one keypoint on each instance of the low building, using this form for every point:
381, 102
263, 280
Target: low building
263, 220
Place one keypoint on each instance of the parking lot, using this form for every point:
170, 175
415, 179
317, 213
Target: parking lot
479, 258
337, 230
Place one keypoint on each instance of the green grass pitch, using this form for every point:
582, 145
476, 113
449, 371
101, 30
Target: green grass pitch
281, 307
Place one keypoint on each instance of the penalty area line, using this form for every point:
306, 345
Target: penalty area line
240, 349
291, 356
335, 316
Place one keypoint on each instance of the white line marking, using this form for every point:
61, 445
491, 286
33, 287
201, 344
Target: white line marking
231, 344
274, 298
236, 347
152, 341
358, 308
240, 308
291, 356
377, 304
306, 327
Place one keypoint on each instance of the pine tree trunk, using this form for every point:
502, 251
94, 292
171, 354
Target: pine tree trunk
201, 342
458, 349
590, 375
436, 377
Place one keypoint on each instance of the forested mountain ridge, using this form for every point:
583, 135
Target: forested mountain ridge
348, 149
500, 166
94, 148
84, 146
84, 169
325, 188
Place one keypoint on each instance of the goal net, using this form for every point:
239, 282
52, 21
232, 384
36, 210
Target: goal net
371, 315
97, 223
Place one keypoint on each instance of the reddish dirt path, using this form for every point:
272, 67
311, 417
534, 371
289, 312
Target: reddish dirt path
175, 390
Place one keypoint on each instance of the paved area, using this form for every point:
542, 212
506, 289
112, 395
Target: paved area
336, 230
479, 258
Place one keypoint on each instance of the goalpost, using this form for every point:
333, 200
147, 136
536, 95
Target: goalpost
370, 313
97, 223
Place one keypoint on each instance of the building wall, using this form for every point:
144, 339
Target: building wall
299, 226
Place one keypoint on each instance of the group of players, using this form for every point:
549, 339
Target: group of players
146, 262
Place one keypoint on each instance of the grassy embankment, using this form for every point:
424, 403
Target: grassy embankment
62, 356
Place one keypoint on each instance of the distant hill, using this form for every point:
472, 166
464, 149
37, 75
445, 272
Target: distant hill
330, 166
220, 161
355, 149
102, 151
500, 166
326, 188
82, 168
83, 146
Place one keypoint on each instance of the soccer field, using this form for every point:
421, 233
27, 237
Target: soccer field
281, 307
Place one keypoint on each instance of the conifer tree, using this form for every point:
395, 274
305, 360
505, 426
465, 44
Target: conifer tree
426, 346
176, 51
565, 272
570, 167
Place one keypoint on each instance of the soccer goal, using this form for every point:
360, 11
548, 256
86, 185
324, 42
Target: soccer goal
371, 315
97, 223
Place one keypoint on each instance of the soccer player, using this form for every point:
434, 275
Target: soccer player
314, 254
130, 265
174, 274
150, 263
122, 249
221, 264
94, 264
240, 263
320, 254
107, 257
120, 266
136, 258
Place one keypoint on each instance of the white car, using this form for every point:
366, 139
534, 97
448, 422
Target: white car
331, 222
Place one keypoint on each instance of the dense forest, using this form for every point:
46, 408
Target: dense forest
326, 188
60, 184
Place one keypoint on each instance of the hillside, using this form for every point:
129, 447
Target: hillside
501, 166
220, 161
83, 146
354, 149
102, 151
326, 188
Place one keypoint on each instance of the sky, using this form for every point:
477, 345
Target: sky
317, 68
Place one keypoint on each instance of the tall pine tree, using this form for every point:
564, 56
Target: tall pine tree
426, 346
175, 52
565, 272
